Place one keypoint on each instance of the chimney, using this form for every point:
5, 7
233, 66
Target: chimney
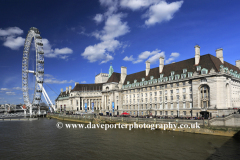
70, 88
61, 90
161, 64
76, 83
147, 67
219, 54
66, 89
238, 63
197, 54
123, 74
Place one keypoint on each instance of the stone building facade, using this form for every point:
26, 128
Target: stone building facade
201, 86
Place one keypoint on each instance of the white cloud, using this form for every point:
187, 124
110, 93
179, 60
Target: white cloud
137, 4
154, 56
128, 58
83, 82
14, 43
10, 93
11, 31
161, 11
98, 18
172, 57
55, 81
62, 53
51, 80
113, 28
4, 89
10, 39
108, 58
112, 6
17, 88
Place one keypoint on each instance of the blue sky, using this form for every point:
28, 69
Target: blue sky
83, 37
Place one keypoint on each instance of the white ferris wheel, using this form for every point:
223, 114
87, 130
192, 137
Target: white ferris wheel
34, 36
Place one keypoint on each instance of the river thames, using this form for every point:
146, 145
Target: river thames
41, 139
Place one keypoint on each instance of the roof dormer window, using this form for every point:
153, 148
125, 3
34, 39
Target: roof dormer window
135, 81
183, 76
172, 73
151, 78
177, 76
204, 71
198, 68
143, 79
161, 75
190, 74
184, 70
128, 82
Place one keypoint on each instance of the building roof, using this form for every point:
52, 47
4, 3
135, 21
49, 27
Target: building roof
88, 87
207, 61
115, 77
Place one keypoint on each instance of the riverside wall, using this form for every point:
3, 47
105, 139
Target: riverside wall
230, 127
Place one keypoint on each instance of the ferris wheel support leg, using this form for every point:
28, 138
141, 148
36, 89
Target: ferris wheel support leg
47, 98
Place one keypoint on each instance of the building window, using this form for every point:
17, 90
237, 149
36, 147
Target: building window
190, 74
166, 86
171, 91
166, 113
77, 102
166, 106
190, 95
184, 70
160, 92
177, 97
172, 73
190, 104
183, 76
161, 75
177, 91
184, 97
171, 112
171, 105
165, 91
184, 113
160, 112
177, 76
171, 97
161, 106
171, 85
205, 96
177, 84
204, 71
166, 98
198, 68
184, 90
184, 105
183, 83
155, 93
190, 89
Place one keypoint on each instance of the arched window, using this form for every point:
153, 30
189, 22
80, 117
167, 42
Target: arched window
205, 96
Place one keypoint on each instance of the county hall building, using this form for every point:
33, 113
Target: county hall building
200, 86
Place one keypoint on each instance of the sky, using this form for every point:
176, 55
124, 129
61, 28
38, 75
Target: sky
81, 38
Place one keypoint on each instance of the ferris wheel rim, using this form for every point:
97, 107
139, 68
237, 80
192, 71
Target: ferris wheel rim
33, 35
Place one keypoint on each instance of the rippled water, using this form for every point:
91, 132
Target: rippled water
42, 140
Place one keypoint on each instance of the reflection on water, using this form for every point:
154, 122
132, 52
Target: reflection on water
42, 140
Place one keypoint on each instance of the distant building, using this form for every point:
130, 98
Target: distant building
201, 86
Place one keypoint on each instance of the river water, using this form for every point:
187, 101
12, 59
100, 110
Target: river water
41, 139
